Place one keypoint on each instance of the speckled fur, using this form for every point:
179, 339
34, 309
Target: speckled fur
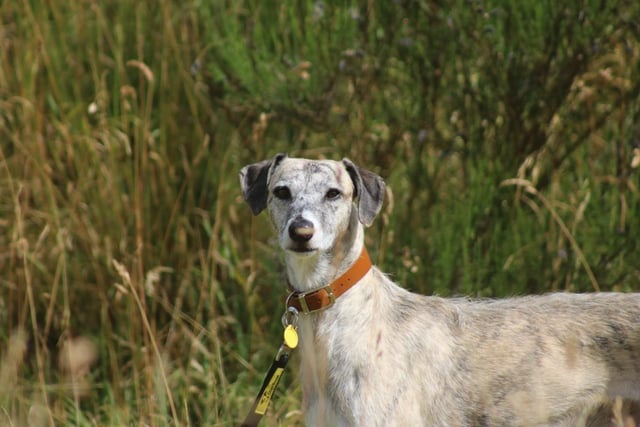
382, 356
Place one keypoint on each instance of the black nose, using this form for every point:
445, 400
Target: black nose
301, 230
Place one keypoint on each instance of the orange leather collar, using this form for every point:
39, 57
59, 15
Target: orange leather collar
308, 302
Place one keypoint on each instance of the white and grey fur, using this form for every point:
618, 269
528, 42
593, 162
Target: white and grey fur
382, 356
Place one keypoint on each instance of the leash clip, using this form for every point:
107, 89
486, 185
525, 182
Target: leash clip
290, 317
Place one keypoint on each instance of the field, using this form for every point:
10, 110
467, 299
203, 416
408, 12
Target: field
135, 286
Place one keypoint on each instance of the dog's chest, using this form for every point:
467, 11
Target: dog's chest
363, 363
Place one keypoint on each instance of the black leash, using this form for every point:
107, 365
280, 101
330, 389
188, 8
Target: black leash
271, 380
269, 385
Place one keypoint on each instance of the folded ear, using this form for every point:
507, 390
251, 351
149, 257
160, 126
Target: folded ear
369, 189
254, 178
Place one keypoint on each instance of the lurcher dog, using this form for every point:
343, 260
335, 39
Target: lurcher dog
374, 354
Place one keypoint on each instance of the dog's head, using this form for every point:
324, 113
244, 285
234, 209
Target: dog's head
311, 202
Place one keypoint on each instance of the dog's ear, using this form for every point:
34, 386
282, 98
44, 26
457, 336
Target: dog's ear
254, 179
369, 189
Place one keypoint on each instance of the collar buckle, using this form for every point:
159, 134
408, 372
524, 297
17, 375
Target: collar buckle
302, 300
304, 305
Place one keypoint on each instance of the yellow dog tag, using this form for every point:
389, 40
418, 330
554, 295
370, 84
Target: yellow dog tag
290, 337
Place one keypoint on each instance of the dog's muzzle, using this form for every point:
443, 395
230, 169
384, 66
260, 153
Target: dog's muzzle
301, 230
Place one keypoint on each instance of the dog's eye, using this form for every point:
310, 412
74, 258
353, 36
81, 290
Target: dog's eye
282, 193
333, 194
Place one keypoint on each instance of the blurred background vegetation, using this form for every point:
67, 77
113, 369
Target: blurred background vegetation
135, 286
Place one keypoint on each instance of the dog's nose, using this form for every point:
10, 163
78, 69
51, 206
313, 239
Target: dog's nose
301, 230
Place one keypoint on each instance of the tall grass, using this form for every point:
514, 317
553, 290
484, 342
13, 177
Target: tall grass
136, 288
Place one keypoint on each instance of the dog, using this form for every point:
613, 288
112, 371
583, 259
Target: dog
375, 354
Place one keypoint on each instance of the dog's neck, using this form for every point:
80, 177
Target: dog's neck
309, 272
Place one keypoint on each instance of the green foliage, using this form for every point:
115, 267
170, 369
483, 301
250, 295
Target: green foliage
507, 132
